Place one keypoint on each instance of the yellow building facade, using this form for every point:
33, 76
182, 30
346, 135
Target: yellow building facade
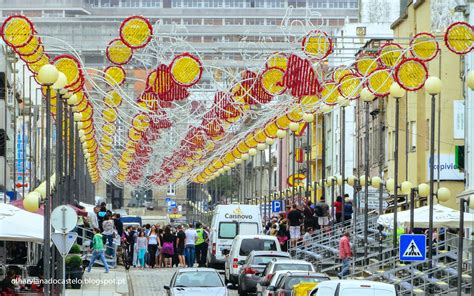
415, 113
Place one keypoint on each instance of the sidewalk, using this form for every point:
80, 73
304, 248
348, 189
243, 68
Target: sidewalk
97, 282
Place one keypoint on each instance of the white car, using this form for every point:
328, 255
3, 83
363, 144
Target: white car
353, 288
196, 282
277, 266
241, 248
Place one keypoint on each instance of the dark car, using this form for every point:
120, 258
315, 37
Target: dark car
253, 267
285, 285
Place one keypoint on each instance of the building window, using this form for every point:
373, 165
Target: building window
212, 22
53, 13
412, 129
275, 3
151, 3
171, 189
234, 21
297, 3
7, 13
254, 21
273, 21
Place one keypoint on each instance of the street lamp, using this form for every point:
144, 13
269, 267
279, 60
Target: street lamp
433, 86
396, 92
423, 190
343, 103
294, 126
47, 76
367, 97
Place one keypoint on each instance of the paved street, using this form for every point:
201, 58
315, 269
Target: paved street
151, 281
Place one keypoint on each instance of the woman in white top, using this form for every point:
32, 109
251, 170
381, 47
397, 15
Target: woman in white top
153, 244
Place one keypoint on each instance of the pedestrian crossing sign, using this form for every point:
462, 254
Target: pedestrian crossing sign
412, 247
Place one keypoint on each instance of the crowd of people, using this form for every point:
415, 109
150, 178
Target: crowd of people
289, 226
154, 246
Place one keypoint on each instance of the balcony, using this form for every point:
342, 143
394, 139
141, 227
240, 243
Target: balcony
45, 4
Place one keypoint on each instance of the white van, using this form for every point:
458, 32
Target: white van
353, 288
229, 221
241, 248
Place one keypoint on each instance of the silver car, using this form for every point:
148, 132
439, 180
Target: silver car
196, 282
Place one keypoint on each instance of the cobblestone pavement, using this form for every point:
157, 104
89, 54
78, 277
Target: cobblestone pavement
151, 281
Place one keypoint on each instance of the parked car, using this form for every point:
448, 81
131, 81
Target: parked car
264, 291
241, 248
281, 265
254, 265
353, 288
284, 286
228, 222
196, 282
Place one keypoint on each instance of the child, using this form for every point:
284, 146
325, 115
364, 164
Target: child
98, 250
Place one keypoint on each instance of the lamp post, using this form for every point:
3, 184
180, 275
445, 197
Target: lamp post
308, 118
396, 92
367, 97
463, 201
343, 103
280, 135
294, 126
433, 86
422, 190
47, 76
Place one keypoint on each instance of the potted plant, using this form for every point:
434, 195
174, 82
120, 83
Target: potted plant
74, 270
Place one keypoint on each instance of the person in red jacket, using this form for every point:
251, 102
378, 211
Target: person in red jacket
345, 254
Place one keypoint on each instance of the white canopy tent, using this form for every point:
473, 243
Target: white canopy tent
19, 225
442, 217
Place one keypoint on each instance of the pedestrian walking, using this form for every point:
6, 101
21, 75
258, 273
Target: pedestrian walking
348, 210
308, 235
200, 245
152, 246
308, 212
294, 218
322, 212
98, 251
282, 236
167, 249
190, 247
108, 233
142, 247
180, 240
338, 209
345, 254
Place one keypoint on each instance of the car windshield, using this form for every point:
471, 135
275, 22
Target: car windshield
198, 279
294, 280
263, 260
293, 267
249, 245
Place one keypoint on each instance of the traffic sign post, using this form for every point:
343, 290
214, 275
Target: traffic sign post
276, 206
412, 247
63, 220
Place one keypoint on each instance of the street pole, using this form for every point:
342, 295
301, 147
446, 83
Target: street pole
47, 200
381, 154
261, 187
366, 186
243, 183
323, 156
395, 197
5, 112
280, 168
343, 159
308, 160
294, 167
461, 244
432, 143
412, 209
270, 172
